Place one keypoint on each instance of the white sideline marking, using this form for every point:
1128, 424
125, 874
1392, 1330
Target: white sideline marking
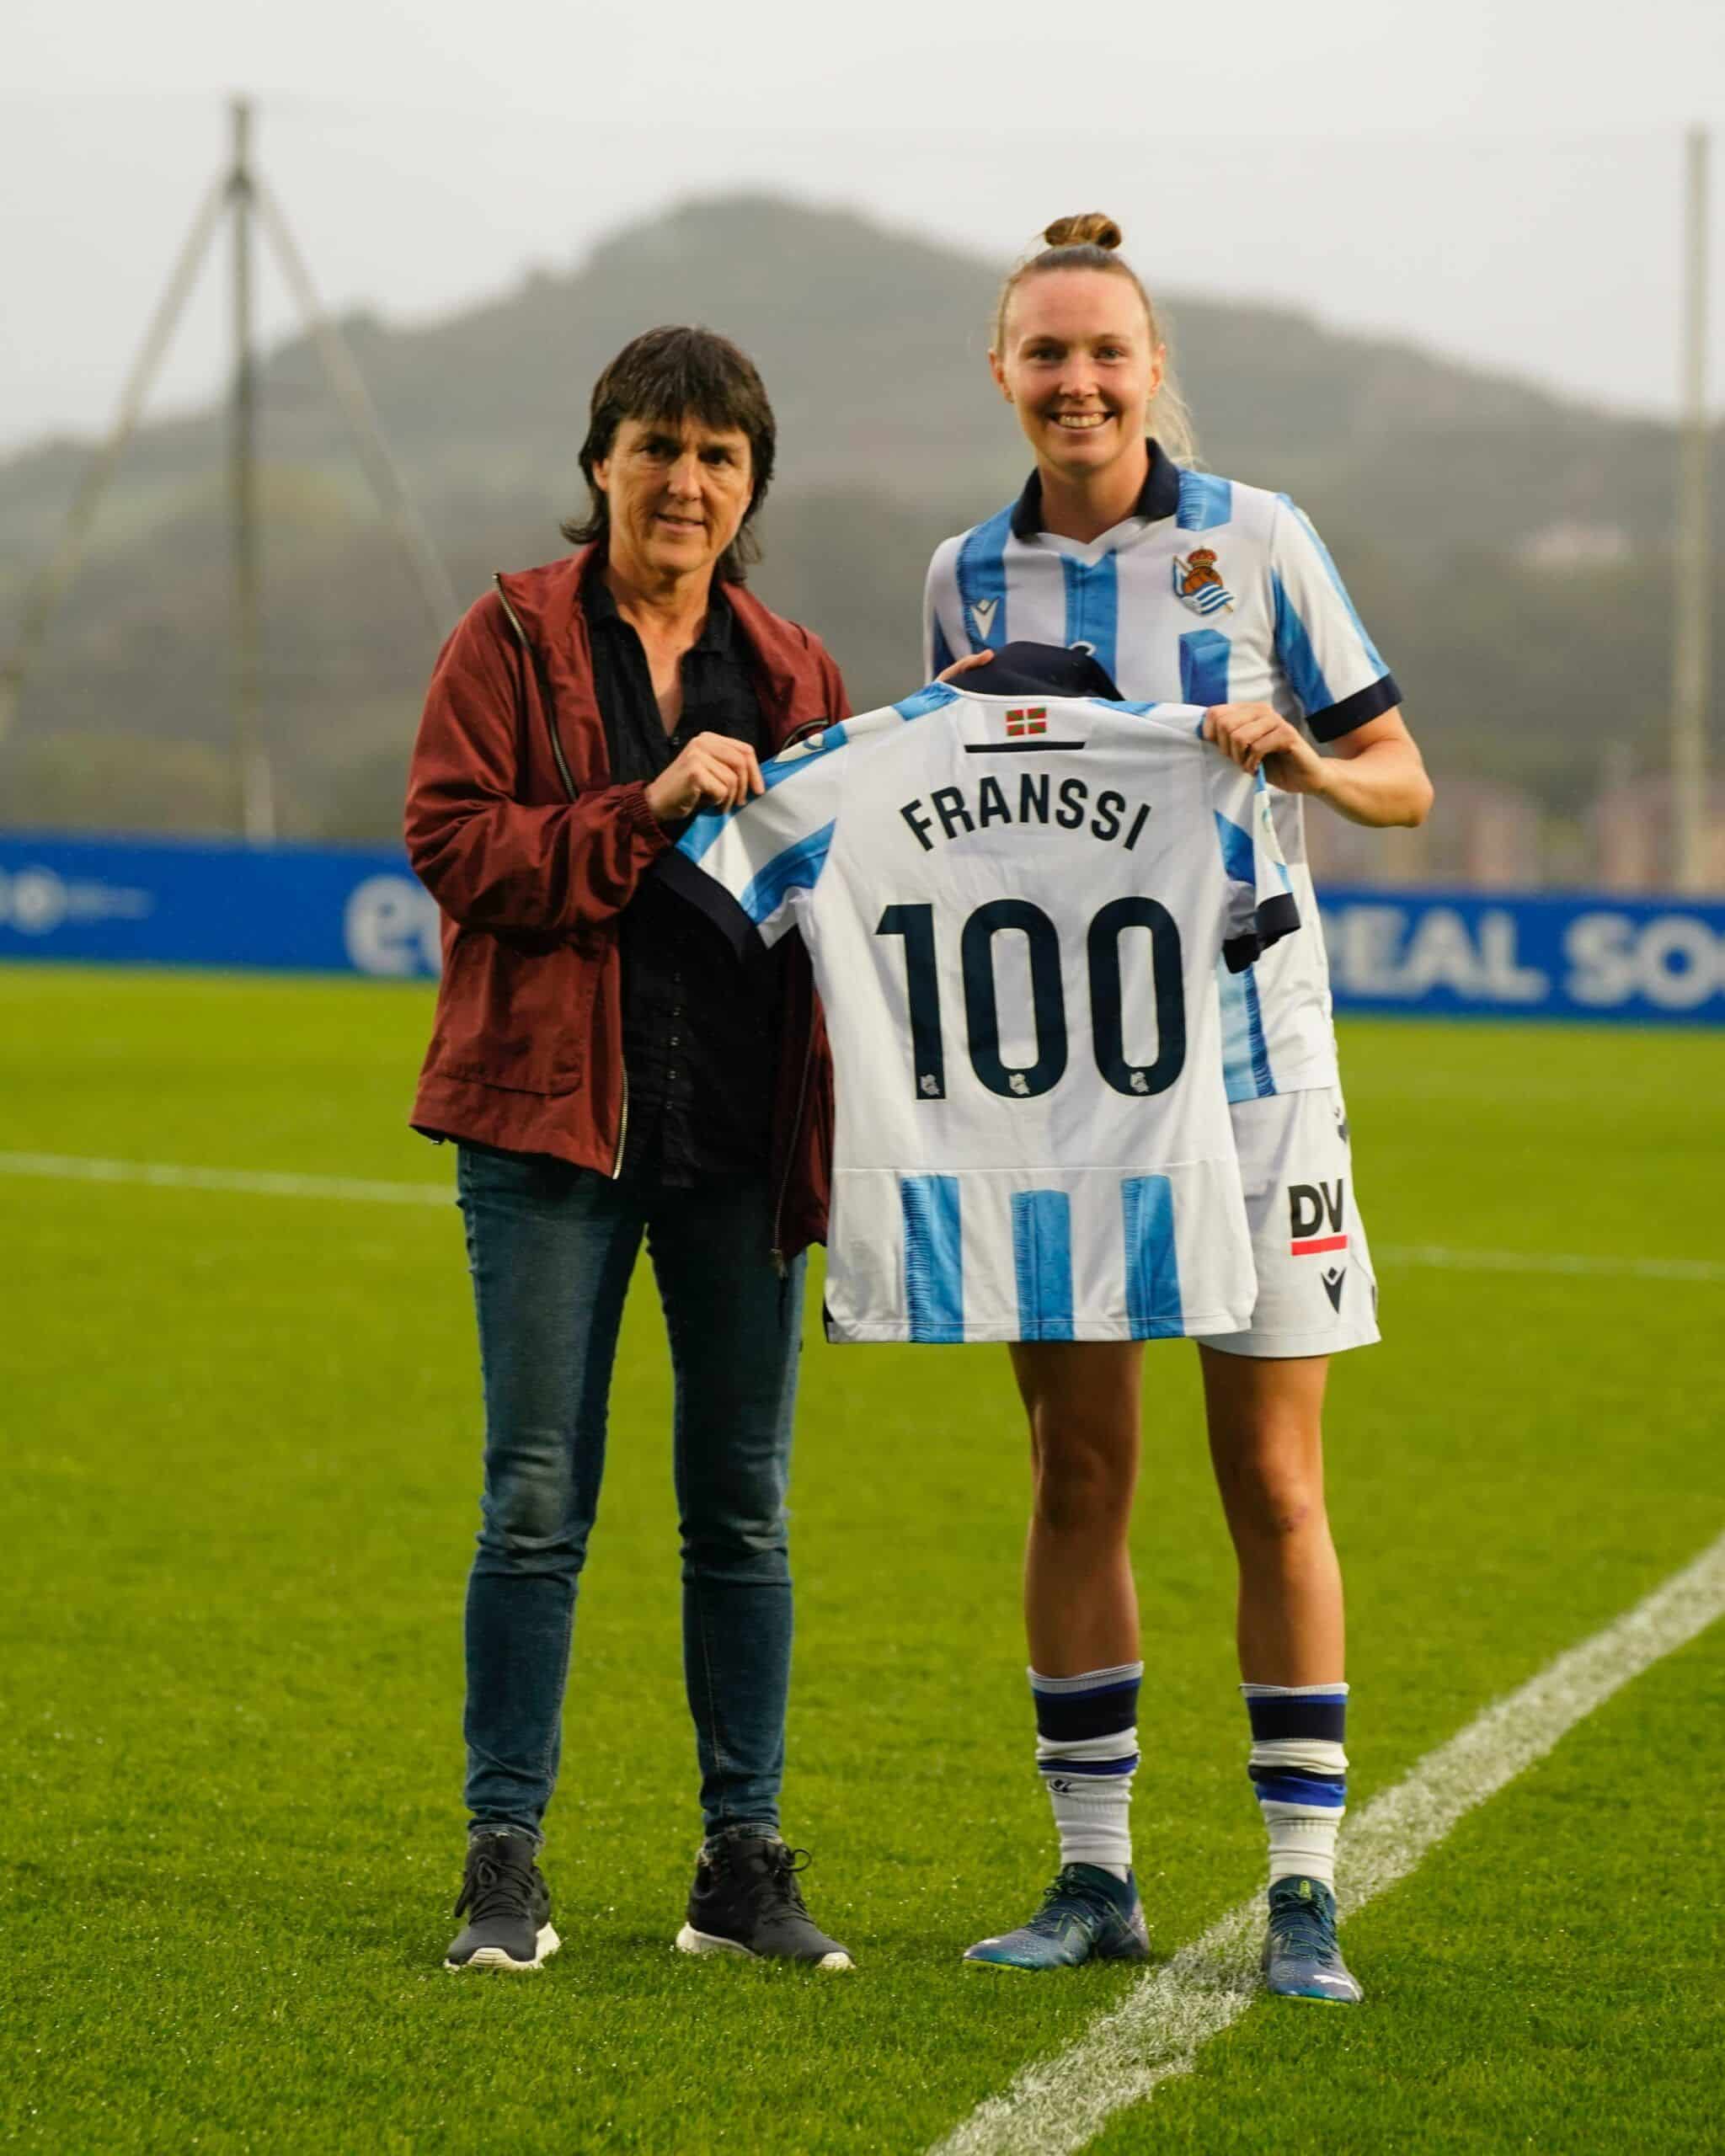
258, 1183
247, 1182
1055, 2106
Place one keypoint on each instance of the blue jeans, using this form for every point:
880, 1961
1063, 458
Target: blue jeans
551, 1249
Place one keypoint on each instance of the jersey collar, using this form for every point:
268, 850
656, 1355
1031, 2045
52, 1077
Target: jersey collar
1159, 496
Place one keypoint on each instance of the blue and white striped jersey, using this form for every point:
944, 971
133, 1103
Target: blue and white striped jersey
1211, 592
1015, 909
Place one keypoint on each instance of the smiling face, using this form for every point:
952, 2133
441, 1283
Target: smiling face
1079, 365
677, 492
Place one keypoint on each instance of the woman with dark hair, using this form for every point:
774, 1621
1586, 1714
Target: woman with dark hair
608, 1072
1190, 587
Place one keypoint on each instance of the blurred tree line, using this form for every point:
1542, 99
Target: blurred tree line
1510, 552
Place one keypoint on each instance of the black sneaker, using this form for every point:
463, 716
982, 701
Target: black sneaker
508, 1906
745, 1900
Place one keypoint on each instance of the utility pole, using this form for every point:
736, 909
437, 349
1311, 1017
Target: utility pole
1690, 825
251, 760
238, 193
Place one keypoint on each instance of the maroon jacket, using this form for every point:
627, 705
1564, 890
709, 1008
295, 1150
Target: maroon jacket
515, 829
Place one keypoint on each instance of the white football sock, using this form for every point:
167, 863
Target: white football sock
1300, 1771
1087, 1748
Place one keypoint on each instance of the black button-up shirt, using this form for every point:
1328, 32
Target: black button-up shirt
700, 1026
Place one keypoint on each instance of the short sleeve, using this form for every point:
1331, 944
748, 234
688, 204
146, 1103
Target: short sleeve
749, 868
939, 609
1331, 663
1262, 908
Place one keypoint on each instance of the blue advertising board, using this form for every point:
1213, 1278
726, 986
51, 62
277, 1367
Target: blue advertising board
327, 910
1528, 955
209, 902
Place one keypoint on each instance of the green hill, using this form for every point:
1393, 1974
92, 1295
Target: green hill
1510, 550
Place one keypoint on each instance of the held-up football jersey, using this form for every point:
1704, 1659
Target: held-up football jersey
1015, 909
1213, 593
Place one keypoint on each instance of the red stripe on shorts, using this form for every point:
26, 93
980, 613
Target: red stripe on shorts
1320, 1242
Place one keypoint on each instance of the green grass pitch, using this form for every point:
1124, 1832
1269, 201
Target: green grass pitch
240, 1477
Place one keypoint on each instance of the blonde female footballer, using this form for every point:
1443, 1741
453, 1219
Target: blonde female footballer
1193, 588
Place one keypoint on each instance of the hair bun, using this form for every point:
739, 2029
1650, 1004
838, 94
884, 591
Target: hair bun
1092, 229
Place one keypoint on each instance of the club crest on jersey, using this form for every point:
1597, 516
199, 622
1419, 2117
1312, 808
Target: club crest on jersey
982, 613
1033, 720
1197, 583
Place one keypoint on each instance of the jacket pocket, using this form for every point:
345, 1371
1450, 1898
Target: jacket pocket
514, 1018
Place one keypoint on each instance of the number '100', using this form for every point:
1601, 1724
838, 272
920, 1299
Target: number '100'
1048, 1001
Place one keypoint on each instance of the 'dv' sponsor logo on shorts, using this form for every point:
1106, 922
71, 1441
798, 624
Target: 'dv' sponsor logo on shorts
1315, 1215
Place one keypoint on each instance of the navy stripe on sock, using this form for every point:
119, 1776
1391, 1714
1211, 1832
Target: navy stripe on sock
1068, 1717
1277, 1773
1323, 1715
1123, 1765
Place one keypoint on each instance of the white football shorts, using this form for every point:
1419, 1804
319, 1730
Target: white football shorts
1317, 1292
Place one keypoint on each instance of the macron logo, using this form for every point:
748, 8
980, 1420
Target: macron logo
982, 612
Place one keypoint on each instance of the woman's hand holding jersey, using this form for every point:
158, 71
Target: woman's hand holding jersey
1374, 775
971, 658
714, 771
1254, 734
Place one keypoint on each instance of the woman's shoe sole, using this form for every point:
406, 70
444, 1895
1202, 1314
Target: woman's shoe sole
494, 1957
691, 1941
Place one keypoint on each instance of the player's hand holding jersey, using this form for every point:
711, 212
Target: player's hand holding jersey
1015, 909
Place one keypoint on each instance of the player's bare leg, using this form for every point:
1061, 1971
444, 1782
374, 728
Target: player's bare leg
1081, 1614
1266, 1438
1081, 1605
1266, 1444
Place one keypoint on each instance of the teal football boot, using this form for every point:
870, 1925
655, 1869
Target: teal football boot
1087, 1915
1302, 1958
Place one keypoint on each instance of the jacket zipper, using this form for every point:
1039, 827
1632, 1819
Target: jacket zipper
622, 1130
569, 786
562, 769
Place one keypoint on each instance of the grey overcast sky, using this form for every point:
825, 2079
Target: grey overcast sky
1498, 181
